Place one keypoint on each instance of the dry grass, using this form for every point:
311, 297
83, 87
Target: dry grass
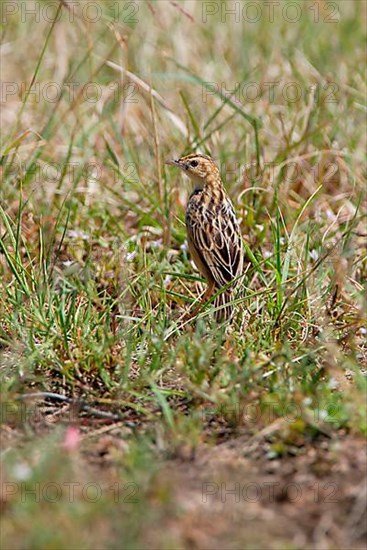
95, 276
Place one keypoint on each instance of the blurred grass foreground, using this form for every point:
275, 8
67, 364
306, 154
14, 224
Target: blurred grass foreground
123, 424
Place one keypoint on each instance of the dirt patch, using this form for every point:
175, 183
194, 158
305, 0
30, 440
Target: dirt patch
316, 499
234, 493
224, 496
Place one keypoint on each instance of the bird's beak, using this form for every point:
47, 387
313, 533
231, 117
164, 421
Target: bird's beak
174, 163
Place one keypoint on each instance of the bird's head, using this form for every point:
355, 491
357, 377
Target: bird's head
201, 169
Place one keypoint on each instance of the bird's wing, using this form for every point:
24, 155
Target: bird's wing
217, 240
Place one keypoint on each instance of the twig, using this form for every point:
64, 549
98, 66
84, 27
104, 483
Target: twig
82, 405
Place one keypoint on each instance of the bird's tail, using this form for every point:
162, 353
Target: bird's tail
223, 306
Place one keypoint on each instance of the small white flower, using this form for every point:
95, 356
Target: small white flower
22, 471
130, 256
314, 255
333, 384
77, 234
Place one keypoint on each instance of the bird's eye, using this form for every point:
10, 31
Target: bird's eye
194, 163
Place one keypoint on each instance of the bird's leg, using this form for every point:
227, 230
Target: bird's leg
207, 294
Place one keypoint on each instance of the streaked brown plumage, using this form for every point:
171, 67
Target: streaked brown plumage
213, 232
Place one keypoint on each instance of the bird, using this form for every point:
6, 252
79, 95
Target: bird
213, 233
